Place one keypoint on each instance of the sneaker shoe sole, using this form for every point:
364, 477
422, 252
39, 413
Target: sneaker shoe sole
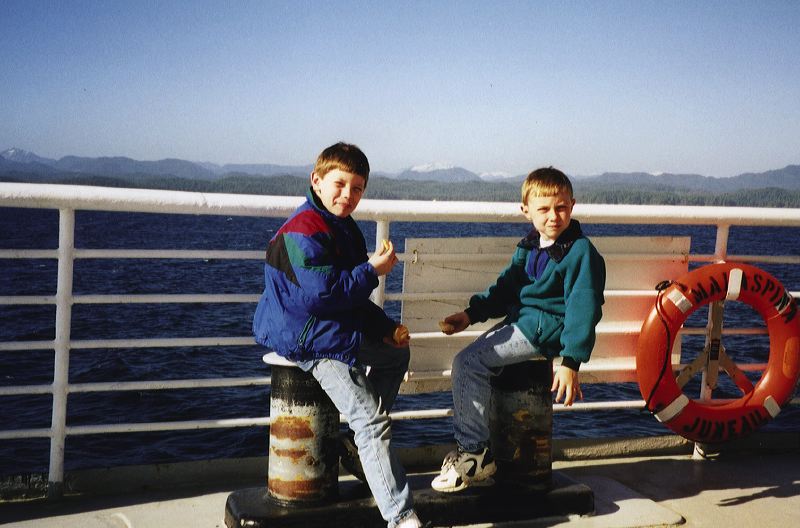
483, 482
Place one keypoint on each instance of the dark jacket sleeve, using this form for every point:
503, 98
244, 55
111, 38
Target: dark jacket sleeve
377, 324
583, 294
504, 293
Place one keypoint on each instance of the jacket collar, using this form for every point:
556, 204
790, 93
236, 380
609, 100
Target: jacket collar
317, 204
561, 247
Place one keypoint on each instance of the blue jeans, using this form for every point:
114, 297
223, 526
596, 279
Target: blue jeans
365, 401
502, 345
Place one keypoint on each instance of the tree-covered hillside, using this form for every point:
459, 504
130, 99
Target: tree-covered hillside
394, 189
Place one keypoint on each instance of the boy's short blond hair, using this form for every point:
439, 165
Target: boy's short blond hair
546, 181
345, 157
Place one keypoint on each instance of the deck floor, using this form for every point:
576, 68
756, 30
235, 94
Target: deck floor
761, 490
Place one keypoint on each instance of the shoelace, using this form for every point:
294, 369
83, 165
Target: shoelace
451, 458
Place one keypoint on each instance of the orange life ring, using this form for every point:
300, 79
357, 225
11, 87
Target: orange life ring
706, 421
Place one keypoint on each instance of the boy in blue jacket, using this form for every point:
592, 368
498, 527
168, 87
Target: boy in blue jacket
316, 311
550, 296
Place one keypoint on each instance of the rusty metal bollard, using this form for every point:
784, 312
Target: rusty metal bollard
303, 457
521, 423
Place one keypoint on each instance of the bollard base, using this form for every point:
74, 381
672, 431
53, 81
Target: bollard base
253, 507
355, 507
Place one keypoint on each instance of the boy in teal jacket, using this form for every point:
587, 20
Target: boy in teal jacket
550, 296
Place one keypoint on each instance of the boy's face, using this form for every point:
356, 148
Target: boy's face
550, 215
339, 191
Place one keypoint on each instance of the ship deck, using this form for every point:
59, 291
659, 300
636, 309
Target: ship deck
629, 487
754, 488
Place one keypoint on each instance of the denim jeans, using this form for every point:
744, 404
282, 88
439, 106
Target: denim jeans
365, 401
502, 345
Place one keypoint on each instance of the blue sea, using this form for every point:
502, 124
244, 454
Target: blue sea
37, 229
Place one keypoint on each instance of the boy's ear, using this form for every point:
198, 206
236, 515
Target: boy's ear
314, 180
524, 208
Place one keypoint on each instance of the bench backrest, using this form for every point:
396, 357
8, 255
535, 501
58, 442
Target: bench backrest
442, 273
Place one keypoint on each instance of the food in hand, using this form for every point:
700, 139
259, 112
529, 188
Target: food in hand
400, 334
385, 243
447, 328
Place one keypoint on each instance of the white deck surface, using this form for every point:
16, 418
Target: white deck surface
755, 490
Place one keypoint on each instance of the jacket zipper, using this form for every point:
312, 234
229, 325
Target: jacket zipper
304, 334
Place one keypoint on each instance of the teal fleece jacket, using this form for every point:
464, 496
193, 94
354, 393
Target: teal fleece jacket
557, 312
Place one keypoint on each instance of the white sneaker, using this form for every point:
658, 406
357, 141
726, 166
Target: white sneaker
412, 521
461, 469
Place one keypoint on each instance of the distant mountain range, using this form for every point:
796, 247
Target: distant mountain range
21, 165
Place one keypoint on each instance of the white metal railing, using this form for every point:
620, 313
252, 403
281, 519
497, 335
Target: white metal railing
68, 199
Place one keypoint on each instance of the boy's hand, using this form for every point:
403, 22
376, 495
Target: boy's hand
566, 385
400, 338
454, 323
384, 260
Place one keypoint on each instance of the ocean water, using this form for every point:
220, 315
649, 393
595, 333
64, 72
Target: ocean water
35, 229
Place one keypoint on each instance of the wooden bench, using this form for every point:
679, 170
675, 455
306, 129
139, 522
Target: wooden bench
440, 275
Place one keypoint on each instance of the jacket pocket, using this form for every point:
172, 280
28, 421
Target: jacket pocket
549, 329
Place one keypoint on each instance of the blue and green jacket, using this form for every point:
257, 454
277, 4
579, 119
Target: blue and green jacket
556, 307
317, 284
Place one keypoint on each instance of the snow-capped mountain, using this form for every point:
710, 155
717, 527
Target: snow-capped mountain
23, 156
438, 172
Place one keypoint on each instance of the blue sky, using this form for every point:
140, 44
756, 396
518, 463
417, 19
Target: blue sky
689, 87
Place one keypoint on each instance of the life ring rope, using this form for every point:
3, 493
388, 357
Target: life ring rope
708, 420
667, 362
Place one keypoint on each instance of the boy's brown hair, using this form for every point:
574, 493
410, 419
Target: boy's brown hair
546, 181
345, 157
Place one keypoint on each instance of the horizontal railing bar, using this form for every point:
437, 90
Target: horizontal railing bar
28, 253
168, 384
192, 254
421, 414
165, 342
17, 434
135, 299
165, 426
766, 259
595, 406
10, 346
112, 386
166, 298
27, 299
28, 390
81, 197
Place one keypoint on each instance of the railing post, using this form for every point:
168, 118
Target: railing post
381, 232
713, 336
721, 243
66, 247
